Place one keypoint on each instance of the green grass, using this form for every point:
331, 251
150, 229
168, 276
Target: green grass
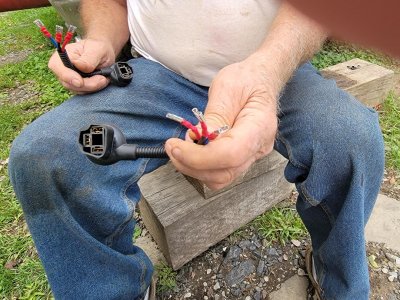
166, 277
26, 279
333, 53
390, 124
18, 32
280, 225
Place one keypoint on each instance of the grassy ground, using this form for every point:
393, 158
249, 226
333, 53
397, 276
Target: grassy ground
21, 274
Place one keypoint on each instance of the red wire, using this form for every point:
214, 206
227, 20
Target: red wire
204, 130
67, 39
45, 32
58, 37
212, 136
193, 128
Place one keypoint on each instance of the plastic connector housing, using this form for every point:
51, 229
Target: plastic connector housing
106, 145
96, 141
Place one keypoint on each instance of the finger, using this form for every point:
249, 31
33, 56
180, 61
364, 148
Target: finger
63, 73
90, 85
219, 154
86, 59
214, 179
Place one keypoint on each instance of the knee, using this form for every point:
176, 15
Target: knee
34, 160
351, 139
358, 134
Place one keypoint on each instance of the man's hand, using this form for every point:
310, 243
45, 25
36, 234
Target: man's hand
239, 96
86, 55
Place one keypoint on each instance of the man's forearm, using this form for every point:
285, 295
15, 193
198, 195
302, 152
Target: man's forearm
292, 40
106, 20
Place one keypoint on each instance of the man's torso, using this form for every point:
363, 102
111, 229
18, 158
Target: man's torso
196, 38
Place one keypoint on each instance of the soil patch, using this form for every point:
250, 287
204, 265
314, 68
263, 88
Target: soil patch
18, 95
14, 57
391, 184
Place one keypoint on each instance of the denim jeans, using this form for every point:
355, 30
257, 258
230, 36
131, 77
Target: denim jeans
80, 214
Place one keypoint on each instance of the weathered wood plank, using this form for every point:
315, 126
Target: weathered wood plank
192, 224
366, 81
270, 162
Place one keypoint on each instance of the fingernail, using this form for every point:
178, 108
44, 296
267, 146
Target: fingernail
76, 83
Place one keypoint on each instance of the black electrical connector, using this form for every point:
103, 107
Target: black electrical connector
120, 73
106, 145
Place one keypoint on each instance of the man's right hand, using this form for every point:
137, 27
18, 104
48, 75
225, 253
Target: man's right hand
86, 55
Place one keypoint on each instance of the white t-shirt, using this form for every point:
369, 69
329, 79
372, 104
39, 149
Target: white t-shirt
196, 38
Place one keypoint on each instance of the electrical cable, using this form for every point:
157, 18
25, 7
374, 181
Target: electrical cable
185, 123
119, 73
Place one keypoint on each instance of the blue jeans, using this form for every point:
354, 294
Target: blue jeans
81, 214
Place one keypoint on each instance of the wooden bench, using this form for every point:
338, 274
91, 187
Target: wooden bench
185, 218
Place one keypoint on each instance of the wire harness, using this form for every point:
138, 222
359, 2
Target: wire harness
105, 144
205, 136
119, 73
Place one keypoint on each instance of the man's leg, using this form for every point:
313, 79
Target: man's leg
81, 214
336, 159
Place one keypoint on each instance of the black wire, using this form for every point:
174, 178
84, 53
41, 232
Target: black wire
151, 152
67, 63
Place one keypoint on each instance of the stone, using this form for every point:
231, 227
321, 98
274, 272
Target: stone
236, 292
293, 288
272, 252
385, 271
296, 243
391, 257
260, 267
256, 242
244, 244
301, 272
257, 295
384, 223
216, 286
187, 295
234, 253
208, 271
237, 274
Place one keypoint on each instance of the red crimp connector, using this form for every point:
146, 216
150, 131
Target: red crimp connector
199, 115
68, 36
186, 124
213, 135
59, 33
45, 32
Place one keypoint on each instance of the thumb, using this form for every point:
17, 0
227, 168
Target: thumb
87, 62
87, 57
